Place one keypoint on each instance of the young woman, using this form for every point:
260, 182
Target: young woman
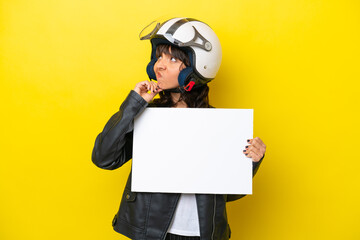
186, 54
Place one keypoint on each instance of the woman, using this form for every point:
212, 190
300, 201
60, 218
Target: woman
182, 69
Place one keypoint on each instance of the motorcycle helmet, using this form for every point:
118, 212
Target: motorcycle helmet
196, 39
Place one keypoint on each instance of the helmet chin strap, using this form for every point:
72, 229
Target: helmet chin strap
175, 90
182, 89
187, 88
193, 83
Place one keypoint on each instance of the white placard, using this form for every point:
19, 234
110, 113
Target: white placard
192, 150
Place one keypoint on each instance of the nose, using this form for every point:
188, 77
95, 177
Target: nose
160, 64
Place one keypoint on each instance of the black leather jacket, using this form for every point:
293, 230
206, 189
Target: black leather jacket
147, 216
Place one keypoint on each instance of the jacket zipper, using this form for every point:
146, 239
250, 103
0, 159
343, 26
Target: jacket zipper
212, 235
172, 215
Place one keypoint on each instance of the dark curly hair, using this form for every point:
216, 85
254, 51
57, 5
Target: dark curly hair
198, 97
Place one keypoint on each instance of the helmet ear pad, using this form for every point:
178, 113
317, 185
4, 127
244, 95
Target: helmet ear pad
184, 75
150, 69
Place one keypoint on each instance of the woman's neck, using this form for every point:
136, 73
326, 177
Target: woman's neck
175, 97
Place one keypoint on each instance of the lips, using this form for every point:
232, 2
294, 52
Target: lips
158, 75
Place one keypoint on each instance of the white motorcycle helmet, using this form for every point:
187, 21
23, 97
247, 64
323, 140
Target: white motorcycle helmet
195, 38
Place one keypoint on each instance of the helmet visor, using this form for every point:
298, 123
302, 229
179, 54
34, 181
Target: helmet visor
150, 30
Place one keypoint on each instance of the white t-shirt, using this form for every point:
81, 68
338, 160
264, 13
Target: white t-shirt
186, 220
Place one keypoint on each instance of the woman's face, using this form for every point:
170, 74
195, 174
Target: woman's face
167, 69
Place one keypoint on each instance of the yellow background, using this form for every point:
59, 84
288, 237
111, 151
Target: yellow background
66, 66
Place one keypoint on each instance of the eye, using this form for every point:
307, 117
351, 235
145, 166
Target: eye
173, 59
160, 57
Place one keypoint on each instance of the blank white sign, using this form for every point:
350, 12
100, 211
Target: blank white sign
192, 150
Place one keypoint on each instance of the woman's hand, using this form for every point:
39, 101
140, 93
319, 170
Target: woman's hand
255, 150
143, 87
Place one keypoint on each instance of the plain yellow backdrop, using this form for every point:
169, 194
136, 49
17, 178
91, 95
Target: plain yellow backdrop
66, 66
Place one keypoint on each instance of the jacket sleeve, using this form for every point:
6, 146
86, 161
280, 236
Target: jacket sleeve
113, 146
233, 197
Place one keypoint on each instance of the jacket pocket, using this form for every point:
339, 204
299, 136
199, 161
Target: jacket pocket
134, 208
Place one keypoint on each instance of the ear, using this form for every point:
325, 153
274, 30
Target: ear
183, 75
150, 69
